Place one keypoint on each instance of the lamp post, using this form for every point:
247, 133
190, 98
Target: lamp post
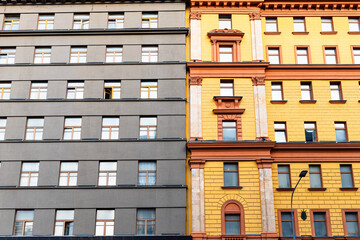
301, 175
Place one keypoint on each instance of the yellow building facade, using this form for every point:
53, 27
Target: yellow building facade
274, 90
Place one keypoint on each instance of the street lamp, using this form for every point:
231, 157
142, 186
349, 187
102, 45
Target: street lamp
301, 175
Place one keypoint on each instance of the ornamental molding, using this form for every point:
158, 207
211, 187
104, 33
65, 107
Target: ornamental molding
195, 15
258, 81
195, 81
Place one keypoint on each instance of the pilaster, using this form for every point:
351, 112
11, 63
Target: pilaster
195, 36
256, 36
195, 108
260, 108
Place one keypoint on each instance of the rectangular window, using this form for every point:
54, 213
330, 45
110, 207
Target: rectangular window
302, 55
81, 21
116, 20
225, 21
7, 55
231, 175
354, 24
352, 224
34, 129
274, 55
149, 20
11, 22
42, 55
149, 54
147, 173
46, 21
112, 90
340, 132
320, 228
110, 128
38, 90
276, 90
284, 176
299, 24
78, 55
149, 89
29, 174
114, 54
286, 224
75, 90
280, 131
347, 179
72, 129
226, 88
5, 89
148, 127
330, 55
24, 223
145, 222
2, 128
225, 54
327, 24
356, 55
232, 224
107, 173
335, 89
105, 221
306, 91
271, 25
64, 223
315, 176
229, 130
68, 173
310, 131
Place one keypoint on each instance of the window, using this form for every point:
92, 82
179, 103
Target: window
75, 90
2, 128
315, 176
149, 54
147, 173
284, 176
42, 55
327, 24
64, 223
38, 90
276, 90
335, 89
5, 89
306, 91
145, 222
231, 175
271, 25
29, 174
225, 21
81, 21
299, 24
352, 223
320, 224
149, 20
105, 222
274, 55
107, 173
149, 89
7, 55
46, 21
34, 129
148, 127
78, 55
114, 54
354, 25
229, 130
112, 90
116, 20
225, 53
110, 128
347, 179
24, 223
302, 56
340, 132
310, 131
330, 55
11, 22
356, 55
226, 88
72, 129
286, 224
280, 131
233, 220
68, 174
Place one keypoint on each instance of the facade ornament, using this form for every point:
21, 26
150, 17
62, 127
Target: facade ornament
195, 81
258, 81
195, 15
255, 16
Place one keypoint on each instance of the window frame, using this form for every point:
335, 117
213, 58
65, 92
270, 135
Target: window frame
332, 24
358, 22
75, 89
231, 171
239, 211
355, 47
105, 221
281, 129
277, 90
225, 18
149, 53
276, 22
112, 89
339, 90
320, 173
308, 55
289, 172
3, 129
304, 22
314, 129
46, 21
273, 47
29, 177
63, 221
309, 90
9, 55
223, 81
233, 127
328, 47
107, 174
149, 89
24, 222
146, 220
78, 53
345, 128
344, 211
116, 19
110, 127
229, 45
68, 174
296, 222
327, 221
148, 127
352, 176
34, 128
114, 54
147, 173
72, 129
150, 19
37, 90
12, 21
81, 21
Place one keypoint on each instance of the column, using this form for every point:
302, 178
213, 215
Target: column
195, 36
256, 36
260, 108
195, 108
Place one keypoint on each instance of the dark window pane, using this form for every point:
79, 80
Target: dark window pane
320, 229
69, 228
353, 229
315, 180
231, 179
346, 180
283, 168
340, 135
351, 216
345, 168
287, 229
232, 224
310, 135
284, 180
319, 216
229, 134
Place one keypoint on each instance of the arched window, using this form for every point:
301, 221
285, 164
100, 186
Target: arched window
232, 219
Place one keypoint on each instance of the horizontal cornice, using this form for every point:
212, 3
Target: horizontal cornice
58, 2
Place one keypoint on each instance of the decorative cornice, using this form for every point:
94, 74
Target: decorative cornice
196, 163
68, 2
197, 81
258, 81
255, 16
195, 15
264, 162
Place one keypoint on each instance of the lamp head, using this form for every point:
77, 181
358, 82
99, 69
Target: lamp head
303, 173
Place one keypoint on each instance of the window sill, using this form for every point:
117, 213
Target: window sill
353, 189
328, 33
308, 101
354, 33
285, 189
300, 33
337, 101
278, 101
317, 189
272, 33
232, 187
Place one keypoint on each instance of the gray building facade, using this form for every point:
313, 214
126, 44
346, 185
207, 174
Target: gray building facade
92, 118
